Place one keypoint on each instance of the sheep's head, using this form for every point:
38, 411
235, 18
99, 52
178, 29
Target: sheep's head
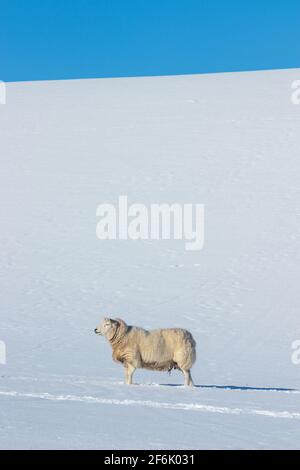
107, 328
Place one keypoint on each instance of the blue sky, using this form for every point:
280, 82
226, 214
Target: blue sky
61, 39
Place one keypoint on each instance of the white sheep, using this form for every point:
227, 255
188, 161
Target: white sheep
162, 350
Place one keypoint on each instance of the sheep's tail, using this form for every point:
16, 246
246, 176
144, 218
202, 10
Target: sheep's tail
188, 353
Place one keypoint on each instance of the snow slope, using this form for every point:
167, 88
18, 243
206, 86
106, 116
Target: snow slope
229, 141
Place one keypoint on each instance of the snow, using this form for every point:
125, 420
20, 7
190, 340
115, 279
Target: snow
228, 141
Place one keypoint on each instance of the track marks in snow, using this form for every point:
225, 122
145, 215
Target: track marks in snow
154, 404
88, 380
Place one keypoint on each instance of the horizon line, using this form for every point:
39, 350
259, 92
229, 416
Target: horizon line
117, 77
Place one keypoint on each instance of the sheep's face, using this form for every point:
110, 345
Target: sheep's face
107, 328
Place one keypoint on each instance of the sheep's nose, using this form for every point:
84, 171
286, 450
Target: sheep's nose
95, 330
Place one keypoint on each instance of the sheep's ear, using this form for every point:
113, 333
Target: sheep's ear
120, 321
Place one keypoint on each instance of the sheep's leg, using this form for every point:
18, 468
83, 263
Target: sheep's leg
188, 381
129, 370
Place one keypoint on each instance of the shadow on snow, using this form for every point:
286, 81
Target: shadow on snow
239, 387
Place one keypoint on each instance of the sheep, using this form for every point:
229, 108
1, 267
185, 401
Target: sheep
160, 350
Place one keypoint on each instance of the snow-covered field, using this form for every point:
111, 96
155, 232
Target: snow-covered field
229, 141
